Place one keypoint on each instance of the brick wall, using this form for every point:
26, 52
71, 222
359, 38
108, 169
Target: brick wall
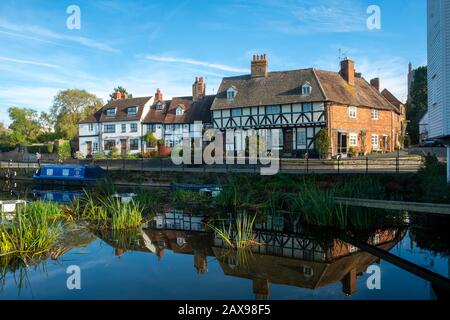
387, 127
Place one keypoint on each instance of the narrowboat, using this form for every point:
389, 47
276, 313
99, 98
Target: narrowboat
69, 174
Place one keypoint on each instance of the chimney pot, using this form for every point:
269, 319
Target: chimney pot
259, 67
348, 71
375, 82
198, 89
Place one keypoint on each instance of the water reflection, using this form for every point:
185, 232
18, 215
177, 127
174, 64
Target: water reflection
291, 257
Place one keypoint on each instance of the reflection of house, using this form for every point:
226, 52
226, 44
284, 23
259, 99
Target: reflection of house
178, 220
318, 266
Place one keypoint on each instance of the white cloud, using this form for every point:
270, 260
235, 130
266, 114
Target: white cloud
223, 67
35, 63
38, 31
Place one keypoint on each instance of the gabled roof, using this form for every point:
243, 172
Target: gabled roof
121, 107
285, 87
391, 98
276, 88
198, 110
362, 94
157, 116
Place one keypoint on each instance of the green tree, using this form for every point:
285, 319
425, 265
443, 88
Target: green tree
69, 108
151, 139
63, 150
417, 106
322, 142
122, 90
25, 126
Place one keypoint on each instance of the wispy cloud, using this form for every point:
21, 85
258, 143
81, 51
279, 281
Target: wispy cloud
218, 66
318, 16
45, 33
34, 63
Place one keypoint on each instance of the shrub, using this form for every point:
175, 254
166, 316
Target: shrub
322, 142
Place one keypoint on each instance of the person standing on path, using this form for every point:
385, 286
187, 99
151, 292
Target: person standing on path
38, 158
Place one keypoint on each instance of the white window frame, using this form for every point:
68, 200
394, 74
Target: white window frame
352, 112
123, 128
95, 147
306, 89
374, 146
133, 127
91, 127
374, 114
179, 111
351, 137
231, 93
111, 112
132, 108
159, 106
105, 130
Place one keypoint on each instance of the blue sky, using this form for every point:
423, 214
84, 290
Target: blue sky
144, 45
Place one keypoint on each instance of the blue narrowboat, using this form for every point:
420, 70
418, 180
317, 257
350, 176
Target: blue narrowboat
69, 174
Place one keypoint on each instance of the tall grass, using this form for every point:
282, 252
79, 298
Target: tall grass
34, 230
123, 215
238, 234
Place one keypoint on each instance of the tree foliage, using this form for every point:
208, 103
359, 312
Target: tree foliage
122, 90
25, 126
417, 106
322, 142
69, 108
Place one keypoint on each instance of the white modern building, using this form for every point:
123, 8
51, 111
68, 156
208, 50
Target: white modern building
438, 14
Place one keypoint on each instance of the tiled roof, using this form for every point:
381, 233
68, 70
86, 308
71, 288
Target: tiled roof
391, 98
361, 94
193, 111
157, 116
286, 87
121, 107
277, 88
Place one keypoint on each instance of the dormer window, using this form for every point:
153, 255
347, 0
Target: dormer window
179, 111
231, 93
159, 106
111, 112
306, 89
132, 111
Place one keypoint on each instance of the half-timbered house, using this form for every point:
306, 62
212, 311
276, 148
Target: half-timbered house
302, 102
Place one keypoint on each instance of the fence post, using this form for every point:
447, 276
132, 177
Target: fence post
307, 164
142, 163
338, 168
397, 164
107, 164
367, 164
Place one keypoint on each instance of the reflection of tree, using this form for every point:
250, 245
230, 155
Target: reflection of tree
431, 233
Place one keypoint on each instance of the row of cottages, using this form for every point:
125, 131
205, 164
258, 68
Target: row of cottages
124, 122
302, 102
357, 116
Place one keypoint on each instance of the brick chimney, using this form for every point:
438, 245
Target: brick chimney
375, 82
259, 66
158, 96
118, 95
348, 71
198, 89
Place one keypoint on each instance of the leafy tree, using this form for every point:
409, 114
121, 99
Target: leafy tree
25, 125
151, 139
322, 142
417, 106
122, 90
63, 150
69, 108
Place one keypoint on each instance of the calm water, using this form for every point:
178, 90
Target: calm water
175, 258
